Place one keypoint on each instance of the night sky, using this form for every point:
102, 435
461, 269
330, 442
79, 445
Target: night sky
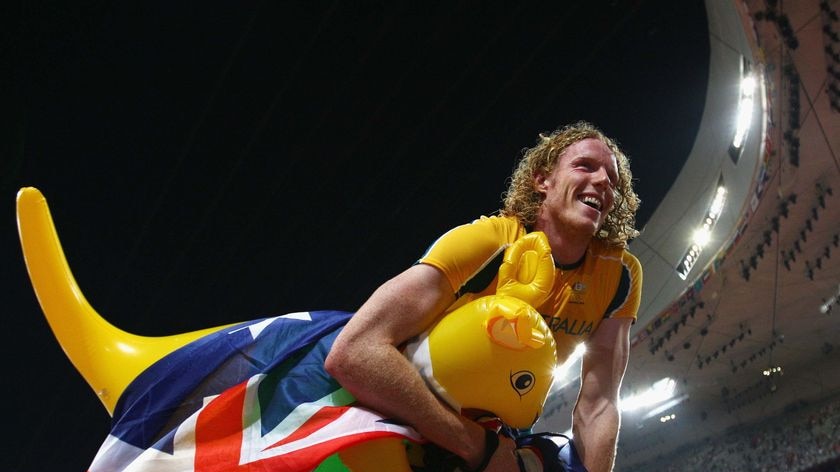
215, 162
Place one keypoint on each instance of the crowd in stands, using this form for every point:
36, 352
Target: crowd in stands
805, 440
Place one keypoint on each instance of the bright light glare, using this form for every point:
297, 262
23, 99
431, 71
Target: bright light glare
667, 418
701, 236
748, 85
774, 370
745, 109
127, 348
562, 371
717, 203
659, 392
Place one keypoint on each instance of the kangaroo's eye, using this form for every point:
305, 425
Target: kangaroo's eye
522, 381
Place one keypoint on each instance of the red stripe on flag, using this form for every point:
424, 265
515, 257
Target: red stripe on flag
218, 432
219, 437
323, 417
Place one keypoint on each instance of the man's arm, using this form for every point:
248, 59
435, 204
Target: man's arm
366, 361
596, 415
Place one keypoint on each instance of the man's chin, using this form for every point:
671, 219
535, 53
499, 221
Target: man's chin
586, 227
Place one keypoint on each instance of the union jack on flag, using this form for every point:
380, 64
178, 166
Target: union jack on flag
253, 397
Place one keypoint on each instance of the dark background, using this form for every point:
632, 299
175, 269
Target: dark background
214, 162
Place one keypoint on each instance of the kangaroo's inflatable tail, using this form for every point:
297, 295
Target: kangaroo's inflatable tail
107, 357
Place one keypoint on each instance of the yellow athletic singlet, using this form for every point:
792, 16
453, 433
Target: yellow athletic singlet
606, 283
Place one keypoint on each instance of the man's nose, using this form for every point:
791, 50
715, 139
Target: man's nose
601, 178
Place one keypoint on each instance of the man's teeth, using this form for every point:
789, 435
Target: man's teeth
592, 201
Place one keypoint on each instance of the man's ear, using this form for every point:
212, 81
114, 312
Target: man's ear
540, 181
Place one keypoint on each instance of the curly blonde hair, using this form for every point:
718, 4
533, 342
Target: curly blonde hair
523, 201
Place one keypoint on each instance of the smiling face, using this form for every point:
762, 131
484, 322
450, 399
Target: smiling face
579, 190
525, 198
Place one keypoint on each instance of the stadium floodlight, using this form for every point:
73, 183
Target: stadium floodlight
667, 418
701, 237
716, 208
703, 234
749, 88
745, 110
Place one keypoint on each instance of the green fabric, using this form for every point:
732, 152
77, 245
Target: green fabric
332, 464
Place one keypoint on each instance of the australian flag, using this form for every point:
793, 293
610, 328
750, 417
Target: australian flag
249, 397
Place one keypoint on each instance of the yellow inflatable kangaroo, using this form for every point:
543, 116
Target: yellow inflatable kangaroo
494, 354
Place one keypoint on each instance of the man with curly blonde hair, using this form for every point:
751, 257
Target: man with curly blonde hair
575, 186
523, 200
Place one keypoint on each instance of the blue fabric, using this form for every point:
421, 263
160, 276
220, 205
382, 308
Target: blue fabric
287, 349
557, 451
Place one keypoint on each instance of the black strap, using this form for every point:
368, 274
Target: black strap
491, 443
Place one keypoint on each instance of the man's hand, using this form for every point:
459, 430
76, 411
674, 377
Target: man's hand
504, 459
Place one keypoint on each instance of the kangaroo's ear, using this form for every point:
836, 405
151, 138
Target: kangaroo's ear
107, 357
519, 331
527, 271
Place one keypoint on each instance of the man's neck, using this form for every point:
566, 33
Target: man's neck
567, 247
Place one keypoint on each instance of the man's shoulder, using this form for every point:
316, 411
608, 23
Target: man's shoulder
614, 252
603, 248
505, 227
498, 220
